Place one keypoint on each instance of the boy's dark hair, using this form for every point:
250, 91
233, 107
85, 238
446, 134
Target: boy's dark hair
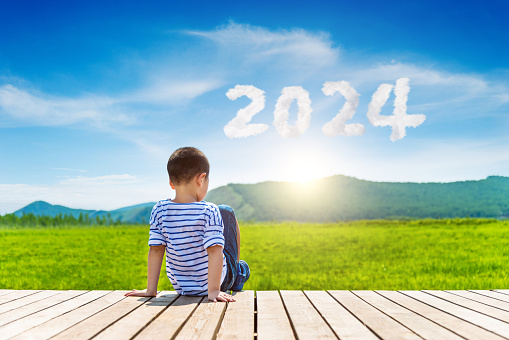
185, 163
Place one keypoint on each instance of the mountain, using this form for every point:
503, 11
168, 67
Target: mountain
347, 198
134, 214
331, 199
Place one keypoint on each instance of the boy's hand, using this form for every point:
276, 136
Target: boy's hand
143, 293
217, 295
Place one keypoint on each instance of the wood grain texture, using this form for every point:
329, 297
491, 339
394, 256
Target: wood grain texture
11, 296
344, 324
8, 306
451, 322
471, 304
59, 315
476, 318
26, 311
482, 299
418, 324
305, 319
132, 323
238, 321
90, 327
384, 326
62, 322
21, 325
492, 294
273, 322
173, 318
204, 322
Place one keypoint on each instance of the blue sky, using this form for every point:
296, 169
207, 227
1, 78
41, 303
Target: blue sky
94, 96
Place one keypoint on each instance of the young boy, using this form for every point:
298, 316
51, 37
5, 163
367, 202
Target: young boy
202, 253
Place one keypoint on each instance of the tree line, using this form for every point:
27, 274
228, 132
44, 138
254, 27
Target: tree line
31, 220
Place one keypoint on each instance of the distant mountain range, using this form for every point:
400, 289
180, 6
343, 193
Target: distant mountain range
134, 214
332, 199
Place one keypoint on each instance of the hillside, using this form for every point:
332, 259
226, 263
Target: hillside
332, 199
347, 198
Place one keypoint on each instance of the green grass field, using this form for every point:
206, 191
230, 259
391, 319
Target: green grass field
423, 254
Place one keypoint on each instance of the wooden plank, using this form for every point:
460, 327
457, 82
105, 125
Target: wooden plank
384, 326
35, 307
238, 321
172, 319
419, 325
345, 325
204, 322
27, 300
132, 323
272, 320
305, 319
21, 325
61, 323
459, 326
503, 291
6, 291
484, 321
18, 294
97, 322
482, 299
471, 304
492, 294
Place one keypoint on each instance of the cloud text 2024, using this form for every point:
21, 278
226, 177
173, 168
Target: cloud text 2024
399, 120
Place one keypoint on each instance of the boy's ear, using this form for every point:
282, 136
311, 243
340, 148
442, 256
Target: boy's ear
201, 177
171, 185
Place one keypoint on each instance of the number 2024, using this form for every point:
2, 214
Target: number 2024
238, 127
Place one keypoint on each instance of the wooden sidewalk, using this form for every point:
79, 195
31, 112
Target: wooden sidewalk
477, 314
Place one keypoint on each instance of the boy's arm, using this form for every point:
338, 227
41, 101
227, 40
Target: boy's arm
155, 259
215, 254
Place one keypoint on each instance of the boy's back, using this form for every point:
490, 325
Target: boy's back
191, 232
187, 230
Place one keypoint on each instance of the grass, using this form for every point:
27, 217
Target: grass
422, 254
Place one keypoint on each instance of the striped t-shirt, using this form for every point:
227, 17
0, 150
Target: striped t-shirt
187, 230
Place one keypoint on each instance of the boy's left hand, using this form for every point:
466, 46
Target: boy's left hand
218, 295
143, 293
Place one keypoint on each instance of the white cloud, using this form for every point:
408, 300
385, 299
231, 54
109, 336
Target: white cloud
167, 92
259, 44
45, 110
41, 109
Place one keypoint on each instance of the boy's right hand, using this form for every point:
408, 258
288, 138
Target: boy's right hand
143, 293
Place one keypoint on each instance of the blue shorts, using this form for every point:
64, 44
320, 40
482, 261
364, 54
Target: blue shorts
237, 272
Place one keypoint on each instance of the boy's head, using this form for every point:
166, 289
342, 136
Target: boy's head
185, 163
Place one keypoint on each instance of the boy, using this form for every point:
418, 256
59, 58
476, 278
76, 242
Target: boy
202, 254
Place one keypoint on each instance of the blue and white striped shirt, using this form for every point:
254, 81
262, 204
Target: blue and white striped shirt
187, 230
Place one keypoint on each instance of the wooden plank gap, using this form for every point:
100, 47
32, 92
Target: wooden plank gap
221, 318
475, 306
378, 322
187, 319
418, 324
486, 300
154, 317
288, 315
475, 318
273, 322
122, 317
320, 313
492, 294
354, 315
447, 320
255, 330
342, 322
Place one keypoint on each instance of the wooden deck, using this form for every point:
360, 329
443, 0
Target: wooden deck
476, 314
